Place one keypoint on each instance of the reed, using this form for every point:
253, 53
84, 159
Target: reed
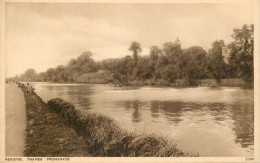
105, 138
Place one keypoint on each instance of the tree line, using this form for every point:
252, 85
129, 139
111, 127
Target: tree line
164, 65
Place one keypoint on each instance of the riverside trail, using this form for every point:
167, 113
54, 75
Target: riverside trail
15, 121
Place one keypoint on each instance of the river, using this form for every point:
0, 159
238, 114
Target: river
209, 121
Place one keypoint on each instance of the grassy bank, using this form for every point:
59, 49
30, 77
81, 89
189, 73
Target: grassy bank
105, 138
47, 135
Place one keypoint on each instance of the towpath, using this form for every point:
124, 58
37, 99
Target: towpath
15, 121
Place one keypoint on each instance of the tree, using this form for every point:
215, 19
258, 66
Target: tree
59, 74
135, 47
30, 75
172, 50
124, 70
72, 62
109, 64
155, 52
216, 64
233, 69
42, 77
143, 69
177, 41
172, 59
243, 51
50, 74
85, 63
197, 58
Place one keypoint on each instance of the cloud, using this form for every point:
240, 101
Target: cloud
43, 35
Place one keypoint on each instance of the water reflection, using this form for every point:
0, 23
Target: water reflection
213, 122
137, 116
155, 108
235, 116
243, 124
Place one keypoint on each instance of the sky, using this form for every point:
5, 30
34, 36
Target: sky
45, 35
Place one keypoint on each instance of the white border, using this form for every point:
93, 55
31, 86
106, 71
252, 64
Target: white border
148, 159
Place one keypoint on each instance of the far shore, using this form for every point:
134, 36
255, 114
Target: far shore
177, 84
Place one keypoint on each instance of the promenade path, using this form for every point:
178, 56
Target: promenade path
15, 121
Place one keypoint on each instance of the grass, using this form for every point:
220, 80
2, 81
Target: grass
47, 135
105, 138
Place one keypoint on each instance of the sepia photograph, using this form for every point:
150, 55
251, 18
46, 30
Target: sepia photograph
111, 79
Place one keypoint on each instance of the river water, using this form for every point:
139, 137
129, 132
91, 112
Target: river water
208, 121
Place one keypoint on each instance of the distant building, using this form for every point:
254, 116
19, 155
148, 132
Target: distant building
226, 52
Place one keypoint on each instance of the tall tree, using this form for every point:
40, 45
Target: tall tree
233, 69
172, 53
216, 64
244, 51
172, 50
135, 47
155, 52
124, 70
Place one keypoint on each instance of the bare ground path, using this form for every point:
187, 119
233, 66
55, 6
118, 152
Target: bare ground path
15, 121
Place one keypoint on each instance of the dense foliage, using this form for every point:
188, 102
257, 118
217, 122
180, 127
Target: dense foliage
163, 65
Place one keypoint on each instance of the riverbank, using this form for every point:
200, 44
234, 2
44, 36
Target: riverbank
178, 83
48, 135
15, 121
105, 138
